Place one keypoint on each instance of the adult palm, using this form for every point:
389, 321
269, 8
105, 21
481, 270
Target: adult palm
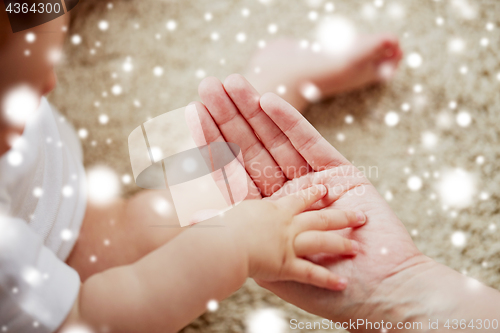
282, 151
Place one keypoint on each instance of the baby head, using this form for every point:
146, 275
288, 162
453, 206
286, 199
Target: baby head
27, 60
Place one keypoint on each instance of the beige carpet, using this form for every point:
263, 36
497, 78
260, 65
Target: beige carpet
469, 78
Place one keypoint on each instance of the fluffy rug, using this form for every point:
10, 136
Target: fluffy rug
428, 140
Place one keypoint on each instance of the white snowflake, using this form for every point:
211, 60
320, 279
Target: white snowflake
212, 305
459, 239
76, 39
329, 7
214, 36
463, 119
414, 183
103, 25
83, 133
126, 179
15, 158
103, 119
456, 45
484, 196
484, 42
313, 15
272, 28
266, 321
391, 119
30, 37
66, 235
310, 92
241, 37
336, 35
117, 90
414, 60
127, 66
456, 188
103, 185
37, 192
32, 276
171, 25
20, 103
158, 71
67, 191
200, 73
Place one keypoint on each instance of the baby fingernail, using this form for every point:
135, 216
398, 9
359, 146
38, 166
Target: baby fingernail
361, 217
342, 283
355, 247
322, 189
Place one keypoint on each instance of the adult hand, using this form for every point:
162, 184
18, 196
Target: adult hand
280, 148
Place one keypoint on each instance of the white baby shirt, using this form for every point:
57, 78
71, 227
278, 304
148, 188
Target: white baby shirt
42, 205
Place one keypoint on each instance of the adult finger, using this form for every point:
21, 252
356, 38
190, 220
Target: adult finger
318, 152
204, 131
247, 100
259, 164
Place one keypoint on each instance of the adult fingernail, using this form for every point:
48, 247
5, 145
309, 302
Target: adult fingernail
361, 217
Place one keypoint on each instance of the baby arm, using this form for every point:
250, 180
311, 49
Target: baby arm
171, 286
123, 231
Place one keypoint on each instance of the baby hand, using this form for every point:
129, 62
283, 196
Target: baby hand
277, 235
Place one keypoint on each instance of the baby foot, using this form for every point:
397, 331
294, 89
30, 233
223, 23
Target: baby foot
302, 75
